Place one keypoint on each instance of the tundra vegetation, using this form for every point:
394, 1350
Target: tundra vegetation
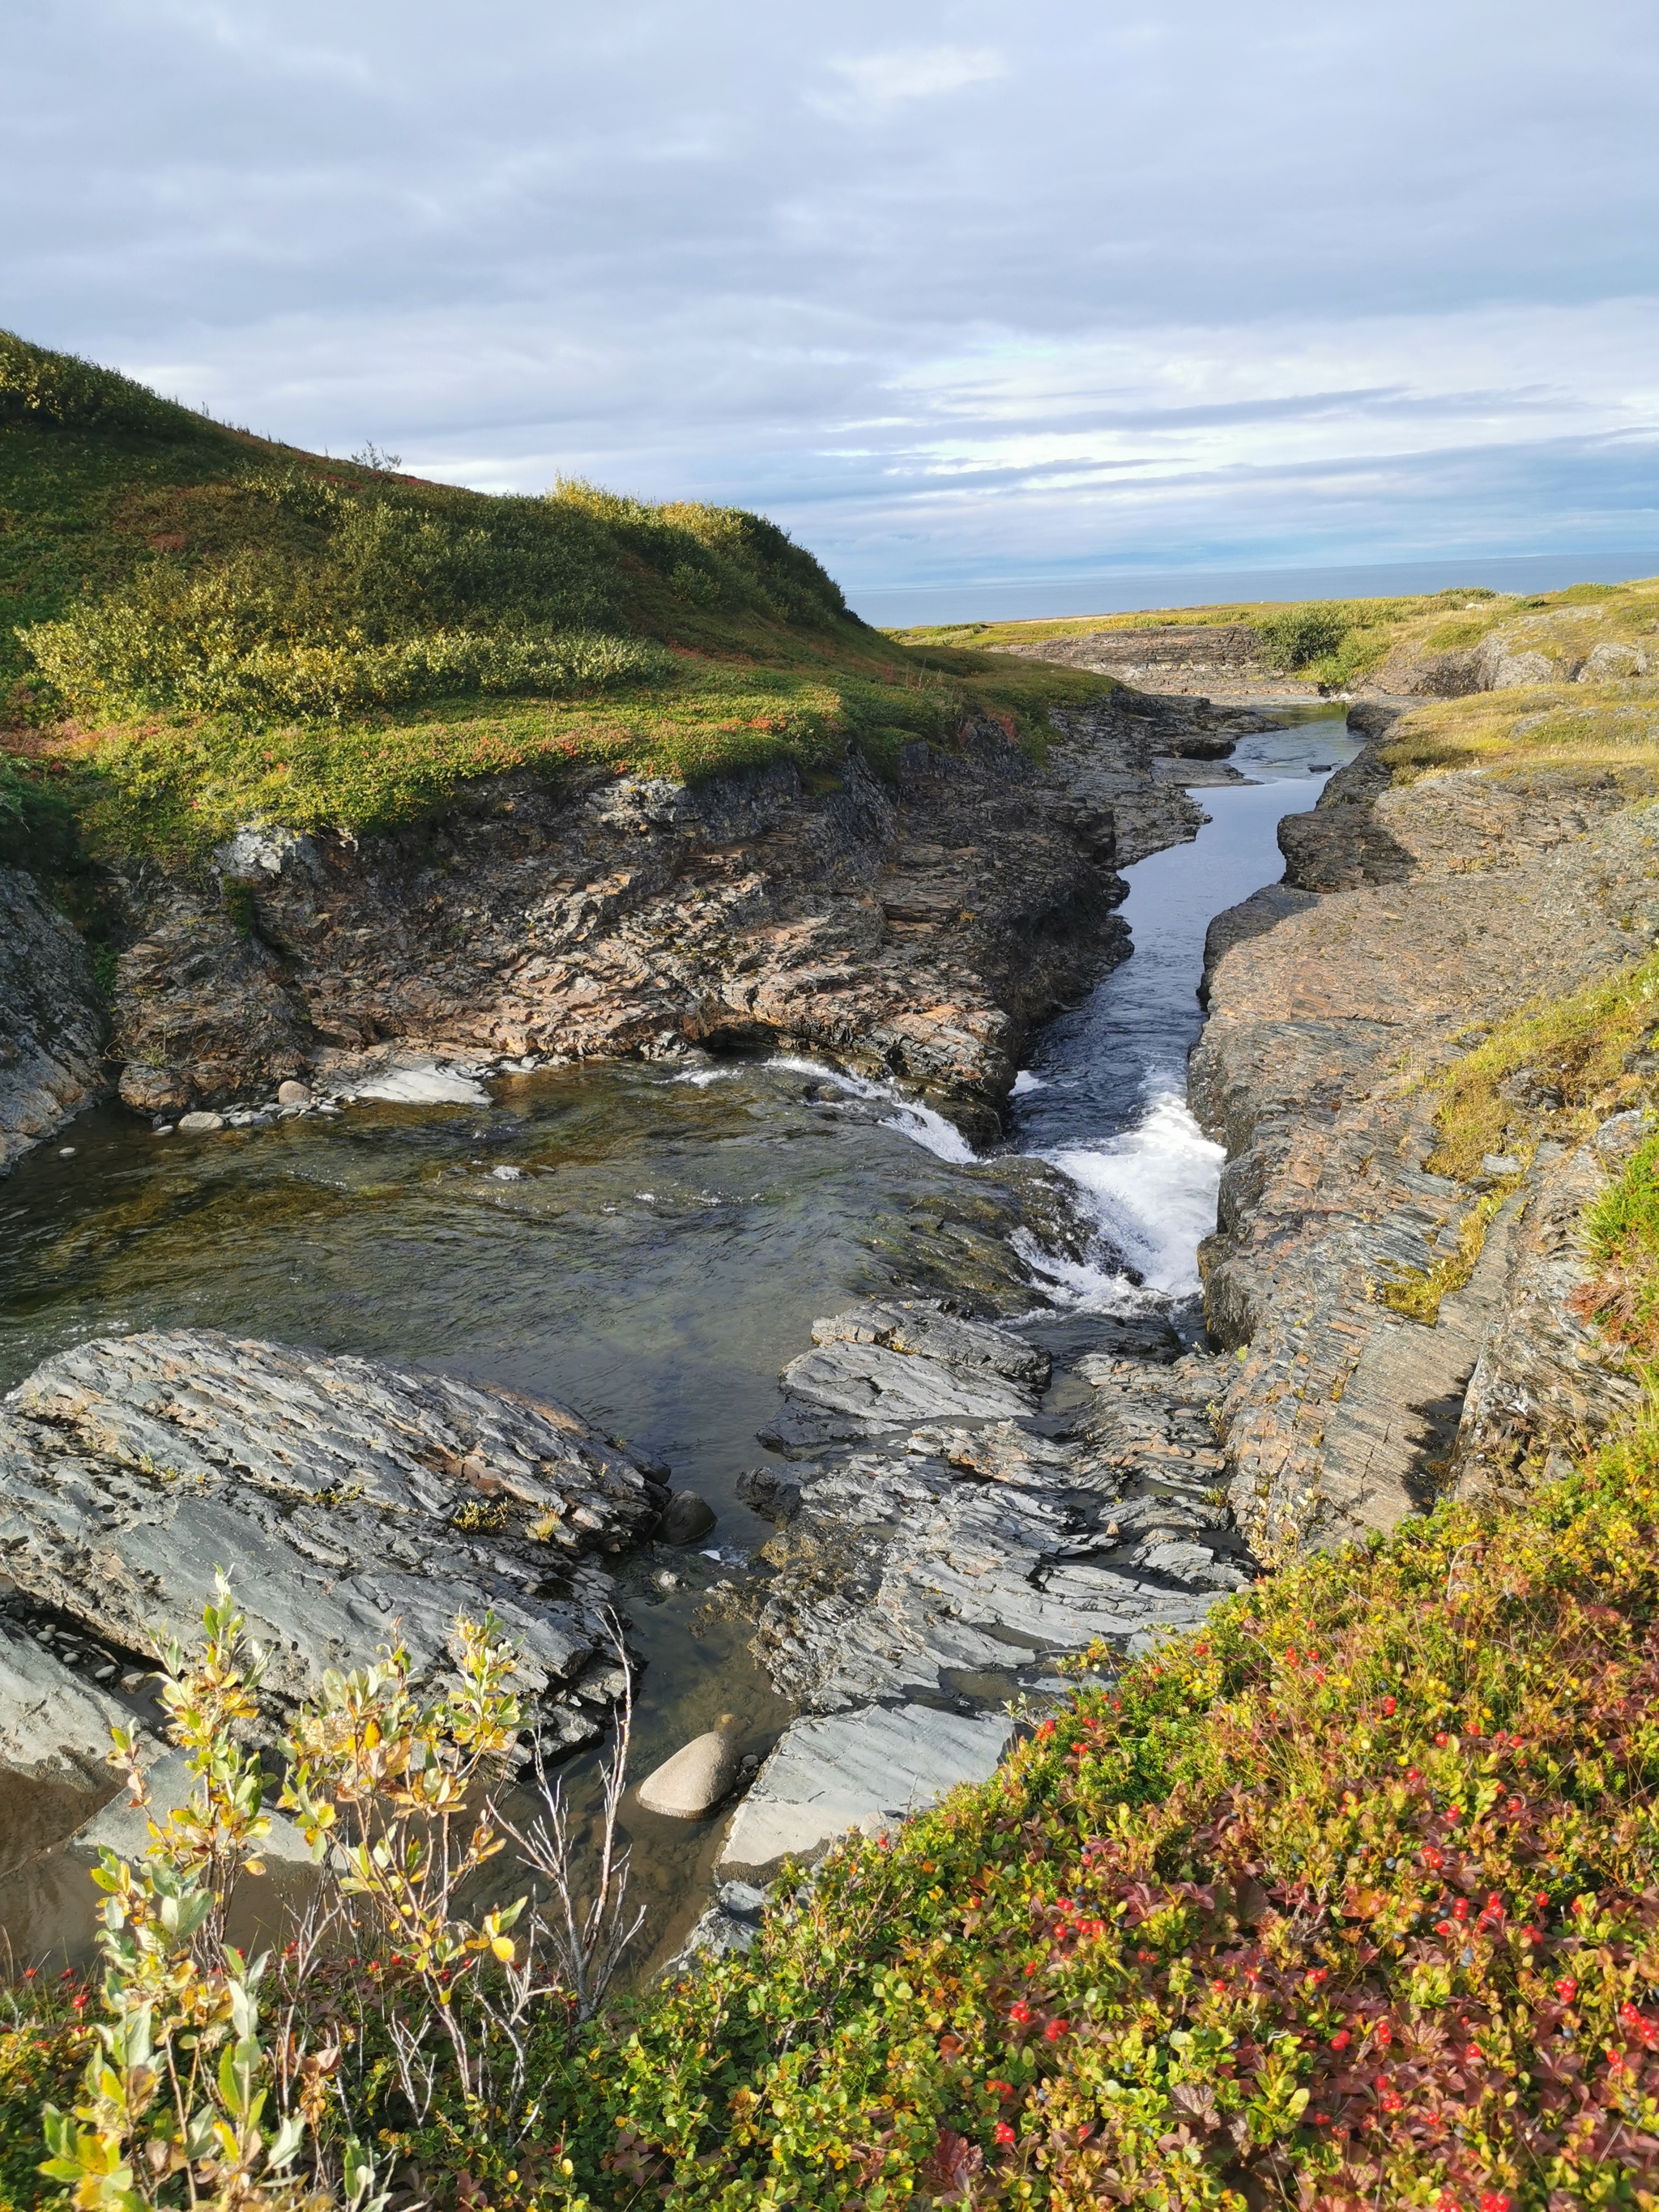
1340, 643
199, 627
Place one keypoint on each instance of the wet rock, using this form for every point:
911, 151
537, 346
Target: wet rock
685, 1518
54, 1023
699, 1776
768, 1494
1139, 1337
883, 1366
864, 1769
348, 1500
964, 1550
123, 1827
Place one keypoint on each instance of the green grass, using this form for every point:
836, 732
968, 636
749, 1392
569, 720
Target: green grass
1339, 643
197, 626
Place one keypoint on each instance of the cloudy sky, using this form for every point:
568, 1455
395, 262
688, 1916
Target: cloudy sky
966, 296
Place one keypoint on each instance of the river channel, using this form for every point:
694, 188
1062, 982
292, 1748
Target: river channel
672, 1237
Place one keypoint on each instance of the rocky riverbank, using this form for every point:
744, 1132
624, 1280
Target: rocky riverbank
1416, 913
921, 927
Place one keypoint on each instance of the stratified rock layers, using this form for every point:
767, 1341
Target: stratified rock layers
54, 1021
351, 1503
1414, 916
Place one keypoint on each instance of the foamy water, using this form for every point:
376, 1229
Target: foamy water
1152, 1191
909, 1117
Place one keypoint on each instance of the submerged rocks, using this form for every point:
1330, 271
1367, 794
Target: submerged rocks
351, 1503
686, 1518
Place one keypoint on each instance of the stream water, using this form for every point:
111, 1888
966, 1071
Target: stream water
672, 1240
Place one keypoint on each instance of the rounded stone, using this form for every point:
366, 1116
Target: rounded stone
699, 1776
685, 1518
293, 1094
200, 1125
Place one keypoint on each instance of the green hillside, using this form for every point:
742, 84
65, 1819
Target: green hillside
199, 626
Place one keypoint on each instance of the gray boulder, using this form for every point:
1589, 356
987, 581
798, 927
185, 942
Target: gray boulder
351, 1503
699, 1776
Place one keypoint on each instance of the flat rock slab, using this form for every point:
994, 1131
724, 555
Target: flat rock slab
863, 1769
352, 1505
925, 1328
886, 1365
123, 1827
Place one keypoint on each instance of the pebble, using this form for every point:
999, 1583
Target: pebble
200, 1125
293, 1094
133, 1679
164, 1129
507, 1175
66, 1152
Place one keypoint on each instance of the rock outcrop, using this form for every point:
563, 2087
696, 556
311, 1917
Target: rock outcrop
351, 1503
1412, 916
920, 927
54, 1023
915, 1583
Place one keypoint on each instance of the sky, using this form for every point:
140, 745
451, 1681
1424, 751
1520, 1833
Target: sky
983, 303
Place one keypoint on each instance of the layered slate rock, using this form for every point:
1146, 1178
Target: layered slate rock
864, 1770
1415, 917
351, 1503
919, 1579
883, 1366
53, 1022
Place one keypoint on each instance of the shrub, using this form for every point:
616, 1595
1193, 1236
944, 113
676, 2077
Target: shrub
61, 389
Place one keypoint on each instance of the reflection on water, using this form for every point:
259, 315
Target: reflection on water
669, 1240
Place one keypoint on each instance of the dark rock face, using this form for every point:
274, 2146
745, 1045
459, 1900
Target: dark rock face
1410, 913
920, 928
923, 926
346, 1500
686, 1518
54, 1024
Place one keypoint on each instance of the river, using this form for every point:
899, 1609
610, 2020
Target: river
672, 1239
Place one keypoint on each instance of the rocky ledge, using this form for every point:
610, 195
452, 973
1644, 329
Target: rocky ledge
920, 926
1414, 916
918, 1584
54, 1024
351, 1503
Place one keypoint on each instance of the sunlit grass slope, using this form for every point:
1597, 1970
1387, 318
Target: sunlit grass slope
197, 626
1341, 642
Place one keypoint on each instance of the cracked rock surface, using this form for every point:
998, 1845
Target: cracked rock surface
349, 1502
1413, 916
950, 1564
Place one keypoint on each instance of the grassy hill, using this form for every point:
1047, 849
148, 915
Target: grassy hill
199, 626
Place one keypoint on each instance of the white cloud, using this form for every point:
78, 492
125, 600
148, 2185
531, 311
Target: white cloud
881, 80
